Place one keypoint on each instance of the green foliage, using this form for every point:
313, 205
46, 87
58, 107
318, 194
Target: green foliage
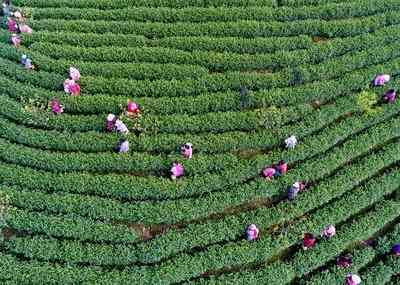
235, 79
270, 117
246, 29
33, 105
4, 205
218, 14
167, 143
367, 102
74, 227
104, 4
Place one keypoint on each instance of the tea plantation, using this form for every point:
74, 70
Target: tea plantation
200, 142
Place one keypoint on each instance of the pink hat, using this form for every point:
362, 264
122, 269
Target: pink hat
252, 232
329, 231
56, 107
282, 167
74, 74
309, 241
71, 87
381, 79
25, 29
177, 170
110, 122
12, 26
75, 89
132, 107
15, 40
17, 14
187, 150
268, 172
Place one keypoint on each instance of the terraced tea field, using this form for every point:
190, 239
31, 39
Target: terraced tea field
160, 142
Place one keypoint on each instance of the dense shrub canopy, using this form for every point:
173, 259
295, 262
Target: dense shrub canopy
245, 84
